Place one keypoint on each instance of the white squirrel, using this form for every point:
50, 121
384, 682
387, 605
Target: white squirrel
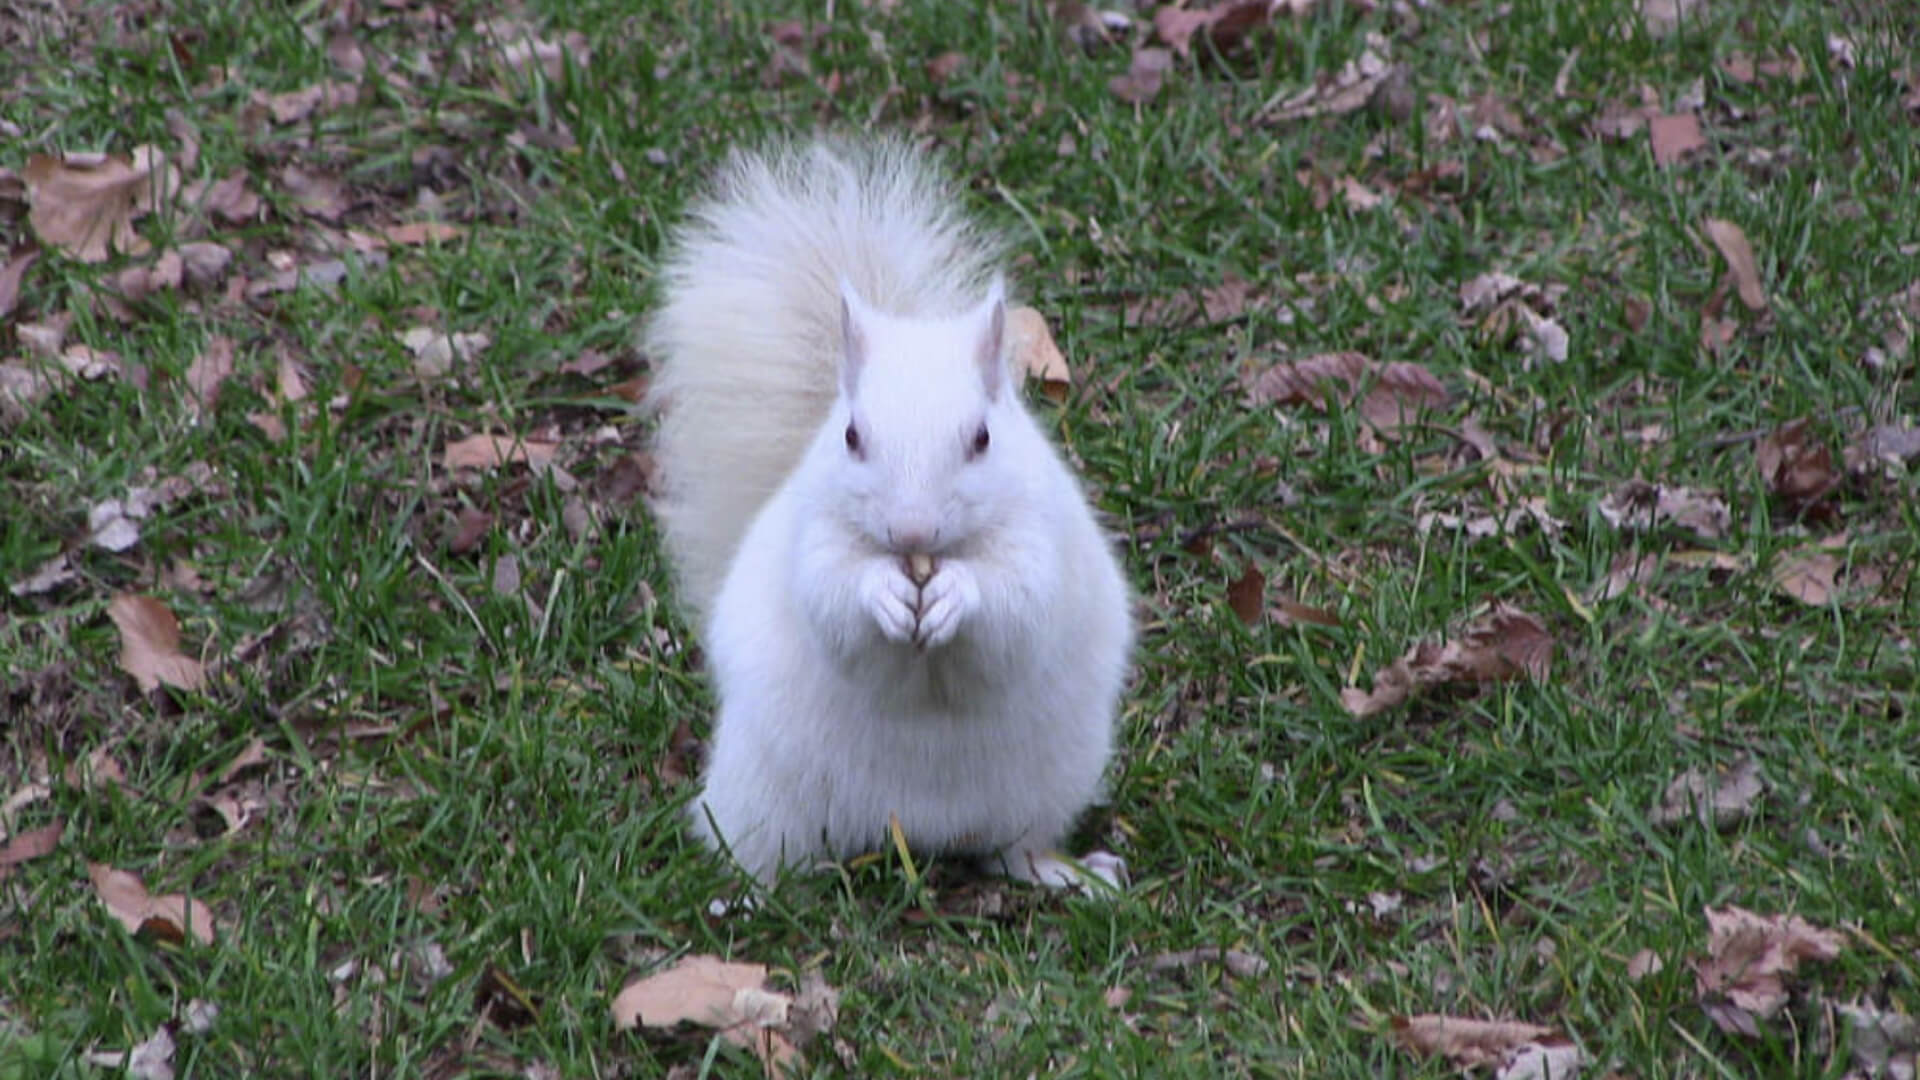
907, 605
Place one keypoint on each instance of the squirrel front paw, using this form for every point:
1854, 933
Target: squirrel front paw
892, 599
946, 600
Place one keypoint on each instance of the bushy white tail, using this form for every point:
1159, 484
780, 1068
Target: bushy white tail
746, 339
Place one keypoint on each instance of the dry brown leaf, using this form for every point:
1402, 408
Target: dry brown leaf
30, 844
228, 199
296, 105
520, 50
10, 277
1638, 506
1034, 354
1146, 72
1722, 800
254, 753
315, 193
1466, 1042
1644, 963
204, 263
1809, 575
1734, 247
1505, 644
1397, 393
86, 205
1742, 979
415, 233
488, 451
150, 644
172, 917
1225, 26
1246, 595
1291, 612
1349, 89
208, 371
1885, 445
50, 575
1238, 962
1674, 136
140, 282
945, 66
728, 997
1795, 467
435, 352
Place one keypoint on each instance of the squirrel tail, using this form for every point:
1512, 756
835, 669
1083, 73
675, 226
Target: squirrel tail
746, 337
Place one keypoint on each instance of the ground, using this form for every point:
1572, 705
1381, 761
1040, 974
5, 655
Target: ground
1505, 413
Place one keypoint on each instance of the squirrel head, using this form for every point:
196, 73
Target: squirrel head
928, 426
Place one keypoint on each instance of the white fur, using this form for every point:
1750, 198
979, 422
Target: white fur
977, 708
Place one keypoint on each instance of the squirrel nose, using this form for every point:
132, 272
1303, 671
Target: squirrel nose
910, 536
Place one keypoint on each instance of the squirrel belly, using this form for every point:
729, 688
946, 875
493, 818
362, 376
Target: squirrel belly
909, 609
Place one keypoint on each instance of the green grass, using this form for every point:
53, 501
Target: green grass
515, 754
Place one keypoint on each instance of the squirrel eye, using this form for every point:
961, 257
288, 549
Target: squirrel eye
980, 441
853, 439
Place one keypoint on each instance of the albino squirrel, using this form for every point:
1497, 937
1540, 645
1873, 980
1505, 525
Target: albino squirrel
908, 608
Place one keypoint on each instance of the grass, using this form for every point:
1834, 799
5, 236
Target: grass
489, 767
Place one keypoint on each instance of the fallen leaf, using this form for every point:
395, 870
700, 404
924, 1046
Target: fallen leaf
314, 193
1349, 89
520, 50
1883, 445
1225, 26
139, 282
208, 371
1034, 354
172, 917
1674, 136
1733, 245
1742, 979
253, 754
1146, 72
1246, 595
1721, 799
415, 233
1809, 575
1662, 17
469, 529
296, 105
50, 575
1465, 1042
1395, 395
204, 263
114, 526
1881, 1042
150, 644
86, 205
1503, 645
1638, 506
10, 277
228, 199
728, 997
1238, 962
30, 844
1795, 467
488, 451
1644, 963
945, 66
435, 352
148, 1060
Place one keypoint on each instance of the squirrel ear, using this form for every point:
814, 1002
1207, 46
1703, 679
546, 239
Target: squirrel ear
853, 335
990, 351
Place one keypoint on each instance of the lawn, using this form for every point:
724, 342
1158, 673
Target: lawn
1506, 414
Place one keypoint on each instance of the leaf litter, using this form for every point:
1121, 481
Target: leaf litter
731, 998
1503, 645
1742, 980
